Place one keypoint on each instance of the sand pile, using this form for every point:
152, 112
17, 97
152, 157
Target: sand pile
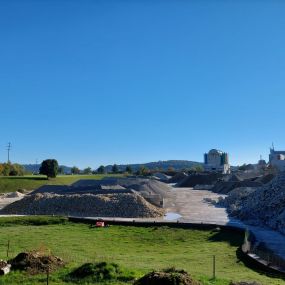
167, 277
103, 205
264, 206
35, 262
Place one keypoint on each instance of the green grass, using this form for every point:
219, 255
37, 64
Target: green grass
137, 249
11, 184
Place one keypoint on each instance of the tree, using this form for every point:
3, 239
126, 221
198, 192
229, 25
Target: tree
143, 171
16, 170
49, 167
101, 169
75, 170
129, 169
115, 168
197, 168
87, 170
61, 170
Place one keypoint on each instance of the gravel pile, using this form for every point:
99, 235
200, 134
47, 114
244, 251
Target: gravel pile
263, 206
150, 186
177, 177
236, 198
200, 179
129, 205
224, 187
161, 176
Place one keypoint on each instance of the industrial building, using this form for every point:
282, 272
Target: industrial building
217, 160
277, 159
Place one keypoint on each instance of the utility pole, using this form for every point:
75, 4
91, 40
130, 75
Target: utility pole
9, 146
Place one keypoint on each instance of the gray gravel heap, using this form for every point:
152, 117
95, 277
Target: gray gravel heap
264, 205
129, 205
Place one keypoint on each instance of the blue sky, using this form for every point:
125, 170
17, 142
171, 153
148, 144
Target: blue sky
102, 82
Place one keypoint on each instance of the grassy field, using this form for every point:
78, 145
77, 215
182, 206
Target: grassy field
11, 184
137, 249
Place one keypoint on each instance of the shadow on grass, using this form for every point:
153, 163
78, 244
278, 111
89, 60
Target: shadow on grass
231, 237
24, 178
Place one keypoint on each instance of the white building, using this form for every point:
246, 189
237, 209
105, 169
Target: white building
216, 160
277, 159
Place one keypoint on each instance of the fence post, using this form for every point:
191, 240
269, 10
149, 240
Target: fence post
47, 275
8, 248
214, 267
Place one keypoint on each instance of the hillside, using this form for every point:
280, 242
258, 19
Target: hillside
164, 165
34, 168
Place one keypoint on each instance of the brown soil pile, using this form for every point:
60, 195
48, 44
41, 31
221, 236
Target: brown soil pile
167, 277
35, 262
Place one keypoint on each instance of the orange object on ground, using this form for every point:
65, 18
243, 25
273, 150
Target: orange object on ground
100, 224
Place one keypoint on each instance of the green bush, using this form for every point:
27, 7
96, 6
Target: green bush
99, 272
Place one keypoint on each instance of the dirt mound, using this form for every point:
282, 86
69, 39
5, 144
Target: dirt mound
35, 262
178, 177
100, 272
102, 205
167, 277
199, 179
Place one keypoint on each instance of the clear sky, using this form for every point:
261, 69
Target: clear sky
103, 82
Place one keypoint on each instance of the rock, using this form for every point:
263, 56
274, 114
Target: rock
4, 267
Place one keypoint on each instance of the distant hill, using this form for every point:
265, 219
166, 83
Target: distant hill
34, 168
164, 165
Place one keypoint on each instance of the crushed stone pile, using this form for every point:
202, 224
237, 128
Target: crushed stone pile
265, 178
150, 186
167, 277
236, 198
264, 206
178, 177
129, 205
224, 187
199, 179
35, 262
161, 176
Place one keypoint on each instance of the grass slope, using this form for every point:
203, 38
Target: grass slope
134, 248
11, 184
